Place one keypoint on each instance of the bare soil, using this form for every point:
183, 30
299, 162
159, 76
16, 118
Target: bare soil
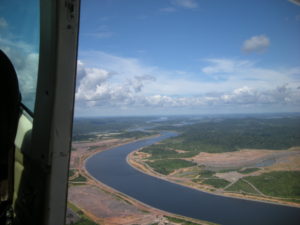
104, 207
243, 158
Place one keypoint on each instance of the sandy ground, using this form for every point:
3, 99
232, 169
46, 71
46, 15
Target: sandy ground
106, 208
104, 205
243, 158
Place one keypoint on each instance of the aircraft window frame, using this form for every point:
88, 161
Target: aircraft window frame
27, 110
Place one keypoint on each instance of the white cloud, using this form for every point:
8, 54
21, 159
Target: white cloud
225, 66
256, 44
3, 23
122, 66
139, 81
126, 84
281, 95
229, 73
297, 2
188, 4
97, 86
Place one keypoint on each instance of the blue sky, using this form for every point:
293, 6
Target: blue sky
144, 57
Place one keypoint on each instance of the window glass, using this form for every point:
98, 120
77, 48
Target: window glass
19, 39
205, 94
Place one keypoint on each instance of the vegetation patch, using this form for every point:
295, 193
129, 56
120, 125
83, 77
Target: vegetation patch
84, 221
248, 170
93, 147
90, 126
159, 152
235, 134
80, 178
206, 173
135, 134
83, 137
180, 221
162, 151
284, 184
73, 207
242, 187
216, 182
167, 166
225, 170
192, 147
71, 172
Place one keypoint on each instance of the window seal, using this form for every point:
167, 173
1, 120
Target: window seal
27, 110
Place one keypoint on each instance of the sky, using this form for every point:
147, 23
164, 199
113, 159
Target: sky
170, 57
142, 57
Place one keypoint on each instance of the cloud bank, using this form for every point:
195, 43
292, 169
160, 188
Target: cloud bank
127, 84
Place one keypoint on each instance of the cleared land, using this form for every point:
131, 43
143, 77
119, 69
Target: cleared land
244, 158
106, 208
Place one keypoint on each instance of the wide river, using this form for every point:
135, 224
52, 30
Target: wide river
111, 168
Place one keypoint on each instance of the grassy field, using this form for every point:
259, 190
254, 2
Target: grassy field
249, 170
180, 221
161, 151
216, 182
242, 187
284, 184
167, 166
84, 221
206, 173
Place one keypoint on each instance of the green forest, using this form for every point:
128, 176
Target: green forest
234, 134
